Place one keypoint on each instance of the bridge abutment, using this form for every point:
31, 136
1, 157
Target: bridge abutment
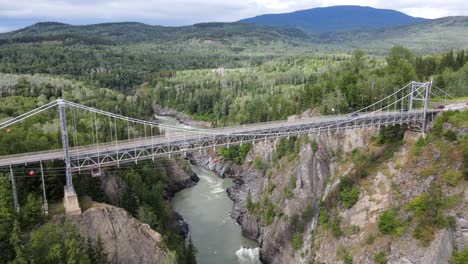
70, 202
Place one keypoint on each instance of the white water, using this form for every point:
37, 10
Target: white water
205, 207
248, 255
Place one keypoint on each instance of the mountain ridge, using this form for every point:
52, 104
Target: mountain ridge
429, 35
336, 18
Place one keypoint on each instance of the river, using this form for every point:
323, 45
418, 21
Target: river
205, 207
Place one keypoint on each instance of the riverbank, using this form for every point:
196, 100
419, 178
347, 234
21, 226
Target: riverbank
163, 112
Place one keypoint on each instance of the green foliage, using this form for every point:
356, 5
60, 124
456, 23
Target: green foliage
380, 257
235, 153
297, 240
271, 186
429, 211
250, 204
347, 258
349, 194
144, 198
314, 145
370, 239
388, 222
344, 254
18, 244
191, 253
287, 147
56, 243
419, 146
460, 257
450, 135
259, 164
7, 216
323, 217
96, 251
288, 191
267, 211
31, 213
308, 212
336, 225
452, 177
391, 134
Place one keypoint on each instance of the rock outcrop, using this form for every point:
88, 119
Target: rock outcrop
181, 117
125, 239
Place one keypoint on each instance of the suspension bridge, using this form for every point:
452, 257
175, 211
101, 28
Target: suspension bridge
408, 106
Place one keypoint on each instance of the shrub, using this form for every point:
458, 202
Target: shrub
347, 258
250, 204
349, 194
271, 186
452, 178
297, 241
259, 164
450, 135
344, 254
287, 147
380, 257
235, 153
336, 226
391, 134
418, 204
418, 147
460, 257
308, 212
388, 222
314, 145
370, 239
424, 233
323, 217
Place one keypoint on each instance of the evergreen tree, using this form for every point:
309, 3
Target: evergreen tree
190, 253
18, 245
31, 213
99, 255
7, 215
75, 247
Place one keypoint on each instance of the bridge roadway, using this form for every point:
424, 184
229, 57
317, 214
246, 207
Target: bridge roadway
113, 153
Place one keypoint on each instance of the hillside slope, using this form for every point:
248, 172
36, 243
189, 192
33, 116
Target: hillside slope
336, 18
433, 35
132, 32
425, 36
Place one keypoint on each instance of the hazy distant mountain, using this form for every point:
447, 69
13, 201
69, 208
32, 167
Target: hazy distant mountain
336, 18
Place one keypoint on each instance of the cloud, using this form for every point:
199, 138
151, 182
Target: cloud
184, 12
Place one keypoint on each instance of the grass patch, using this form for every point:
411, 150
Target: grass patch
297, 240
460, 257
259, 164
452, 178
381, 257
370, 239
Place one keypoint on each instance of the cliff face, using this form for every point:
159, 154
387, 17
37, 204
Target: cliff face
125, 239
310, 172
288, 195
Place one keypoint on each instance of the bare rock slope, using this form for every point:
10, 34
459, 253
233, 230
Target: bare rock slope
126, 240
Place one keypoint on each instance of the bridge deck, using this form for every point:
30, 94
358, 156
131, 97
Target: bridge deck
198, 135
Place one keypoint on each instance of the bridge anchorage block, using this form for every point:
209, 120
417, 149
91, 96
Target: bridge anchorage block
70, 202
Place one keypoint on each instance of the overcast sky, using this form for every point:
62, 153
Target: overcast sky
19, 13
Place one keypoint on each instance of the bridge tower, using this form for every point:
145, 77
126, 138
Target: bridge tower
420, 92
70, 199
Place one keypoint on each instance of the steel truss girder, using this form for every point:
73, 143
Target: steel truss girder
150, 150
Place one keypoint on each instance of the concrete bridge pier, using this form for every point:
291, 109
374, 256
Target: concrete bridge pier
70, 202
